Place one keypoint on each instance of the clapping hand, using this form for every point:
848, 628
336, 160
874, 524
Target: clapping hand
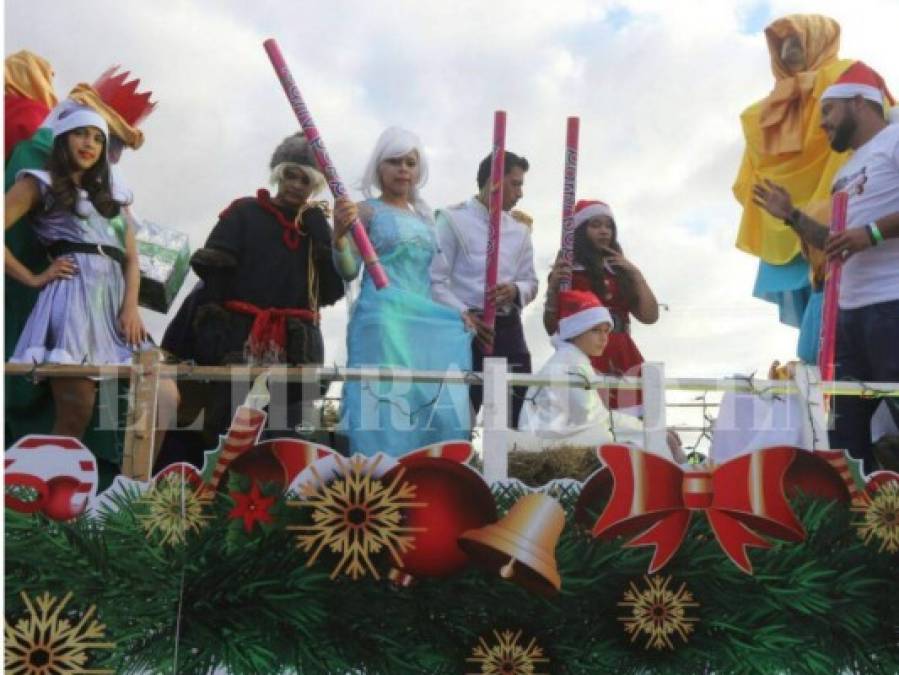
773, 198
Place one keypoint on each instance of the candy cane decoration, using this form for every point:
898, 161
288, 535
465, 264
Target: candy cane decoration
497, 173
827, 349
325, 165
569, 191
837, 459
242, 436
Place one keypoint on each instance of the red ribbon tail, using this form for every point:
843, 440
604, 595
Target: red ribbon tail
734, 538
666, 535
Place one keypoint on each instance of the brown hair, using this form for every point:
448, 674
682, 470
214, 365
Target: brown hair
95, 181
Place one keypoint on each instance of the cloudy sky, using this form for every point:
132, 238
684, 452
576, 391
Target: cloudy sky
658, 86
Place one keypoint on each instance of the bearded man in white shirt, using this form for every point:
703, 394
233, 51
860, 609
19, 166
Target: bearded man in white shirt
853, 115
458, 273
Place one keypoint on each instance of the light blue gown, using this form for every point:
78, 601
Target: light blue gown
401, 326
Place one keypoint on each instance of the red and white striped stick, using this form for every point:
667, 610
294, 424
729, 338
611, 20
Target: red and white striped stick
827, 350
569, 191
242, 436
325, 165
497, 173
837, 459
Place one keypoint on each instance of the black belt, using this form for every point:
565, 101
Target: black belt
61, 247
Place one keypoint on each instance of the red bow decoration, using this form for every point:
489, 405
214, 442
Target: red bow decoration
654, 496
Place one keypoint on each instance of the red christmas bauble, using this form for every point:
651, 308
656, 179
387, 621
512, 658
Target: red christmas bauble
61, 502
811, 474
457, 499
878, 479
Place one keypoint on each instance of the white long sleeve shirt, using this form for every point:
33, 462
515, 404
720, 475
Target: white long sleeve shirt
565, 416
459, 268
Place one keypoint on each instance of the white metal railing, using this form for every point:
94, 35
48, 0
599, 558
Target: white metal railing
496, 381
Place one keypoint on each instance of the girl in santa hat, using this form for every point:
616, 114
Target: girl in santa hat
601, 267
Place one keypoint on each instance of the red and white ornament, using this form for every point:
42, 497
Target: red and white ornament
60, 469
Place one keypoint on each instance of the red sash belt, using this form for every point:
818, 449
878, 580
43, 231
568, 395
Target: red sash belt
268, 334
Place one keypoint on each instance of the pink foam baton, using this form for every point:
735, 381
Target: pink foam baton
569, 191
325, 165
497, 173
827, 350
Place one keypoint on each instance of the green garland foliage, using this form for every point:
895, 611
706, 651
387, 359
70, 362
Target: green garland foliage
249, 604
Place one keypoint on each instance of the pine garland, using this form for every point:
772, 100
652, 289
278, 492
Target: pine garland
249, 604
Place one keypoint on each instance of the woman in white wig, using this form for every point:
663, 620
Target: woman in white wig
399, 325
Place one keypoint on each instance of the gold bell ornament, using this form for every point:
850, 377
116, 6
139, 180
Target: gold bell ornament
522, 545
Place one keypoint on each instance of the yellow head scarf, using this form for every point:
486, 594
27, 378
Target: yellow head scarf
28, 75
781, 113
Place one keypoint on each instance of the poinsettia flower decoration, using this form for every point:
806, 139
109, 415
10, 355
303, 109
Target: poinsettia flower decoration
251, 506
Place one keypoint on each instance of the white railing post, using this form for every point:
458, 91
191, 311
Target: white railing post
654, 427
811, 398
496, 416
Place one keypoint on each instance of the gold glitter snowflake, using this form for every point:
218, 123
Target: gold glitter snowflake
356, 516
174, 508
881, 518
658, 612
507, 656
45, 644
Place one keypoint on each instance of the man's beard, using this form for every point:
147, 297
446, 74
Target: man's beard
842, 135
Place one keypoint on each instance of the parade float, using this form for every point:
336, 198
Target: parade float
282, 555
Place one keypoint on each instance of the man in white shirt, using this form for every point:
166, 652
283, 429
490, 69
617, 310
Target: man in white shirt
853, 116
458, 272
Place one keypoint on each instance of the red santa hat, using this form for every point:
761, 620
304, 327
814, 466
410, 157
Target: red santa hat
859, 79
586, 209
579, 311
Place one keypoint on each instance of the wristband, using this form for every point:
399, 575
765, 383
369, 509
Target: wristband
875, 233
870, 235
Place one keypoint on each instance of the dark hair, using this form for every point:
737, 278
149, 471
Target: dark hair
586, 255
511, 161
95, 181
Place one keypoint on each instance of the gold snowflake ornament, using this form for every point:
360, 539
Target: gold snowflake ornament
356, 516
658, 612
507, 656
881, 518
42, 643
174, 508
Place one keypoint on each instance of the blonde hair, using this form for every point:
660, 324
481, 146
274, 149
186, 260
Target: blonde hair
317, 181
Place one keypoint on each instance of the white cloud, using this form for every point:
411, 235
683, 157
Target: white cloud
659, 94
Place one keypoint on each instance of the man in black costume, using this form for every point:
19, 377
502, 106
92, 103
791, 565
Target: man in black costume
264, 272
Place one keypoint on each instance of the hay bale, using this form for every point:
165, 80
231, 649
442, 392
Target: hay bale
538, 468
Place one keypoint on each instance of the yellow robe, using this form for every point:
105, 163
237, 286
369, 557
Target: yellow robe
784, 140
